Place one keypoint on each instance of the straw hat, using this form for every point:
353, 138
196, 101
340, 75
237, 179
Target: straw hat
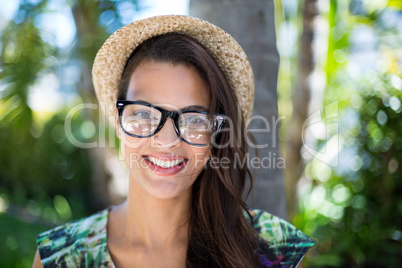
112, 57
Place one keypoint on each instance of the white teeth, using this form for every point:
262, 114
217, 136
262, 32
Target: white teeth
165, 164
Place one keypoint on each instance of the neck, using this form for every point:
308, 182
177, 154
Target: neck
146, 221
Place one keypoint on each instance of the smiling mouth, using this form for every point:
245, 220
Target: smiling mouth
164, 163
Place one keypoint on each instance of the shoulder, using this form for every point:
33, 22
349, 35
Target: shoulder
281, 243
73, 243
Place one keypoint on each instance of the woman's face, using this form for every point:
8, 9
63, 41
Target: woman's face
163, 166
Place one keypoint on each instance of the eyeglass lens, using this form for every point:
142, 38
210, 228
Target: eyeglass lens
141, 120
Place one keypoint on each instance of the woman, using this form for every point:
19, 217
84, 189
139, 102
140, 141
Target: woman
182, 89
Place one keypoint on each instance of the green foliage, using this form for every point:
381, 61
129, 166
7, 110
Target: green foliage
23, 57
354, 208
395, 4
356, 215
340, 25
42, 163
18, 243
45, 180
36, 160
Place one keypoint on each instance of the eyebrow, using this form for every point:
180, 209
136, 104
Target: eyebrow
195, 107
187, 108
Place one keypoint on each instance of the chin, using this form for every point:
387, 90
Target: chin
166, 189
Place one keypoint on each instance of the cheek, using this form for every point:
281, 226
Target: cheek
130, 148
201, 157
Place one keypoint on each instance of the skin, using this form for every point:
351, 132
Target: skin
150, 229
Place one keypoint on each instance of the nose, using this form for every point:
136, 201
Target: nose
167, 136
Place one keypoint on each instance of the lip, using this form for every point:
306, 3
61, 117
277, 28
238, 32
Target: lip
161, 171
166, 157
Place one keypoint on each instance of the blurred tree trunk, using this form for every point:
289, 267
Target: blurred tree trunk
252, 25
87, 41
301, 100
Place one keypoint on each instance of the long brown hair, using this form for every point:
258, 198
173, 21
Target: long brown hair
219, 233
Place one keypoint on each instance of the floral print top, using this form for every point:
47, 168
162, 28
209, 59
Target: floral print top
82, 243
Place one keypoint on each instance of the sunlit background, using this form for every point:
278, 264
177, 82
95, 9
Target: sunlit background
349, 186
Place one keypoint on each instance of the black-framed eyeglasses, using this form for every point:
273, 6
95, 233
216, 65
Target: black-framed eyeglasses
142, 120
